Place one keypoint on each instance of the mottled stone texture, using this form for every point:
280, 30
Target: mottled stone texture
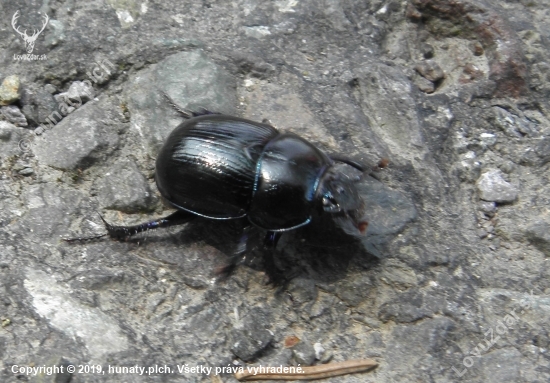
450, 282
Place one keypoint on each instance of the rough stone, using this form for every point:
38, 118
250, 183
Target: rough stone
56, 33
80, 91
543, 149
9, 90
502, 365
38, 104
451, 267
539, 235
13, 140
493, 188
304, 353
13, 114
430, 70
191, 80
388, 212
250, 340
124, 188
501, 43
82, 138
489, 208
424, 84
100, 333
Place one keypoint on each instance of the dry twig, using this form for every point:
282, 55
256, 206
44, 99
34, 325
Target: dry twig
314, 372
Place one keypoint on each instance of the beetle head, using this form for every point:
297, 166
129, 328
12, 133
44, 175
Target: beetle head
339, 196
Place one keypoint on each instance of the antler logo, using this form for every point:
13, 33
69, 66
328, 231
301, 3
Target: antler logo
29, 40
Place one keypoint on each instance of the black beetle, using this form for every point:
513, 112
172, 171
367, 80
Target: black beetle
222, 167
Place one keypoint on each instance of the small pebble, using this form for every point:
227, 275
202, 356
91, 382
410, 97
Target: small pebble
477, 48
14, 115
430, 70
9, 90
26, 172
493, 188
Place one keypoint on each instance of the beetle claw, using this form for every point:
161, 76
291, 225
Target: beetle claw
116, 232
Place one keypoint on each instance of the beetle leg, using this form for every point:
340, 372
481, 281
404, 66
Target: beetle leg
124, 232
239, 254
271, 239
275, 276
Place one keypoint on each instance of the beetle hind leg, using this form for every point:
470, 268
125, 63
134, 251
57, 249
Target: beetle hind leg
122, 233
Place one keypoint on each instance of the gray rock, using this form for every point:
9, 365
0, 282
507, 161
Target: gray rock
9, 90
124, 188
250, 340
13, 140
502, 366
427, 50
430, 337
320, 351
82, 138
80, 90
424, 84
38, 104
28, 171
13, 114
388, 212
539, 235
493, 188
304, 353
56, 33
512, 124
98, 331
489, 208
96, 279
78, 93
408, 307
191, 80
543, 149
430, 70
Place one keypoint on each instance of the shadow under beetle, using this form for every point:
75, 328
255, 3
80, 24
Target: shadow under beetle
222, 167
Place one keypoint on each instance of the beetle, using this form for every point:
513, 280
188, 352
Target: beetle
222, 167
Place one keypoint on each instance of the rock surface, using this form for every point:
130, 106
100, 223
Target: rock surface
449, 284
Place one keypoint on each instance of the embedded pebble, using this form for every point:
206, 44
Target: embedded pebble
304, 353
430, 70
38, 105
13, 114
493, 188
489, 208
9, 90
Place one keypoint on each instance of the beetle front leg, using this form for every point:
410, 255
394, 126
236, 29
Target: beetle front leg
275, 275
